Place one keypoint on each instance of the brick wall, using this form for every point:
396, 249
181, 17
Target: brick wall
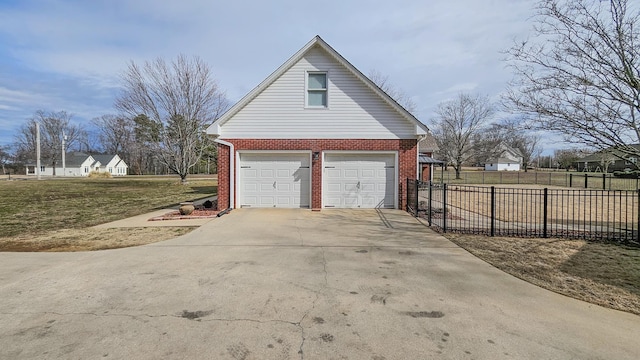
406, 148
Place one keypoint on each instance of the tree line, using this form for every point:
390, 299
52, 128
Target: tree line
577, 76
163, 111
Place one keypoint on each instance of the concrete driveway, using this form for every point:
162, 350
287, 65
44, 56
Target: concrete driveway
294, 284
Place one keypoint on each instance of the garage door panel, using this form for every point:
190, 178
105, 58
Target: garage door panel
351, 201
369, 187
349, 174
251, 173
274, 180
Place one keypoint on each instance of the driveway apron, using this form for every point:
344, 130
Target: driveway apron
294, 284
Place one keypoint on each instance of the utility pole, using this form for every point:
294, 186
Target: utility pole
64, 165
38, 150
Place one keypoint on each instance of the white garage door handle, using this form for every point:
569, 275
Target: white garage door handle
274, 184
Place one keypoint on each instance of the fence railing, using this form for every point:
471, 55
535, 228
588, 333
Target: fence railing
495, 211
604, 181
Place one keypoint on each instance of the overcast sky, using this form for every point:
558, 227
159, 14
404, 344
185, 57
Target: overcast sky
67, 54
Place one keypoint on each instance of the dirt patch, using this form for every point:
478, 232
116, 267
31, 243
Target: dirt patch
604, 274
67, 240
326, 337
425, 314
192, 315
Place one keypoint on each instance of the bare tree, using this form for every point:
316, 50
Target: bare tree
606, 159
455, 124
487, 143
580, 75
567, 157
53, 127
116, 135
527, 143
383, 82
179, 100
5, 157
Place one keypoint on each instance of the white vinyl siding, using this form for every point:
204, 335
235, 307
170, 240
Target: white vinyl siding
354, 110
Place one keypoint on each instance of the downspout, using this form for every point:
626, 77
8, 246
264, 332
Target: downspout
232, 171
418, 167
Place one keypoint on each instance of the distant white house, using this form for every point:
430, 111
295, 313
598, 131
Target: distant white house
81, 164
502, 164
112, 164
510, 159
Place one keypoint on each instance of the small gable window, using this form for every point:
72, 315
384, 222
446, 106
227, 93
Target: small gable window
317, 89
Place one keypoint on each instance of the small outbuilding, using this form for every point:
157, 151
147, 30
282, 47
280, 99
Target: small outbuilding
502, 164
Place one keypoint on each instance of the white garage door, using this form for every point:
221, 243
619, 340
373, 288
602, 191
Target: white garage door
274, 180
359, 181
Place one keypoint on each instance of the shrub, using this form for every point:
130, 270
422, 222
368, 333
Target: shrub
632, 174
99, 175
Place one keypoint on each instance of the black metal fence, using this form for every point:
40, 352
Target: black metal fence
534, 212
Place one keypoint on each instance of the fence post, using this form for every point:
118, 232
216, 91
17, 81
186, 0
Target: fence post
444, 208
418, 183
493, 211
430, 200
570, 180
408, 193
638, 210
545, 202
586, 181
604, 181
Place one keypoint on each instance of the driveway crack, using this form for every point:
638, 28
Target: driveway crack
313, 304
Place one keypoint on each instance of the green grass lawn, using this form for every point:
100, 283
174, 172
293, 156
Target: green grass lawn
35, 207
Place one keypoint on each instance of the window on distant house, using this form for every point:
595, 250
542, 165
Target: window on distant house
111, 170
317, 89
632, 160
41, 168
86, 169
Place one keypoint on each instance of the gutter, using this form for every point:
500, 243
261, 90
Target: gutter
232, 171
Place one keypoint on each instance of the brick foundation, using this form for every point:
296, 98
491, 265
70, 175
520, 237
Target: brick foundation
406, 148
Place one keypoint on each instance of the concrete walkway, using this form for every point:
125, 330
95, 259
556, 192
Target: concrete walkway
294, 284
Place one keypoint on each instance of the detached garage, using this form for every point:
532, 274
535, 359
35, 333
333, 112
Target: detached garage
316, 134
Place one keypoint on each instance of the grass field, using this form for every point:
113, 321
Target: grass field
41, 210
